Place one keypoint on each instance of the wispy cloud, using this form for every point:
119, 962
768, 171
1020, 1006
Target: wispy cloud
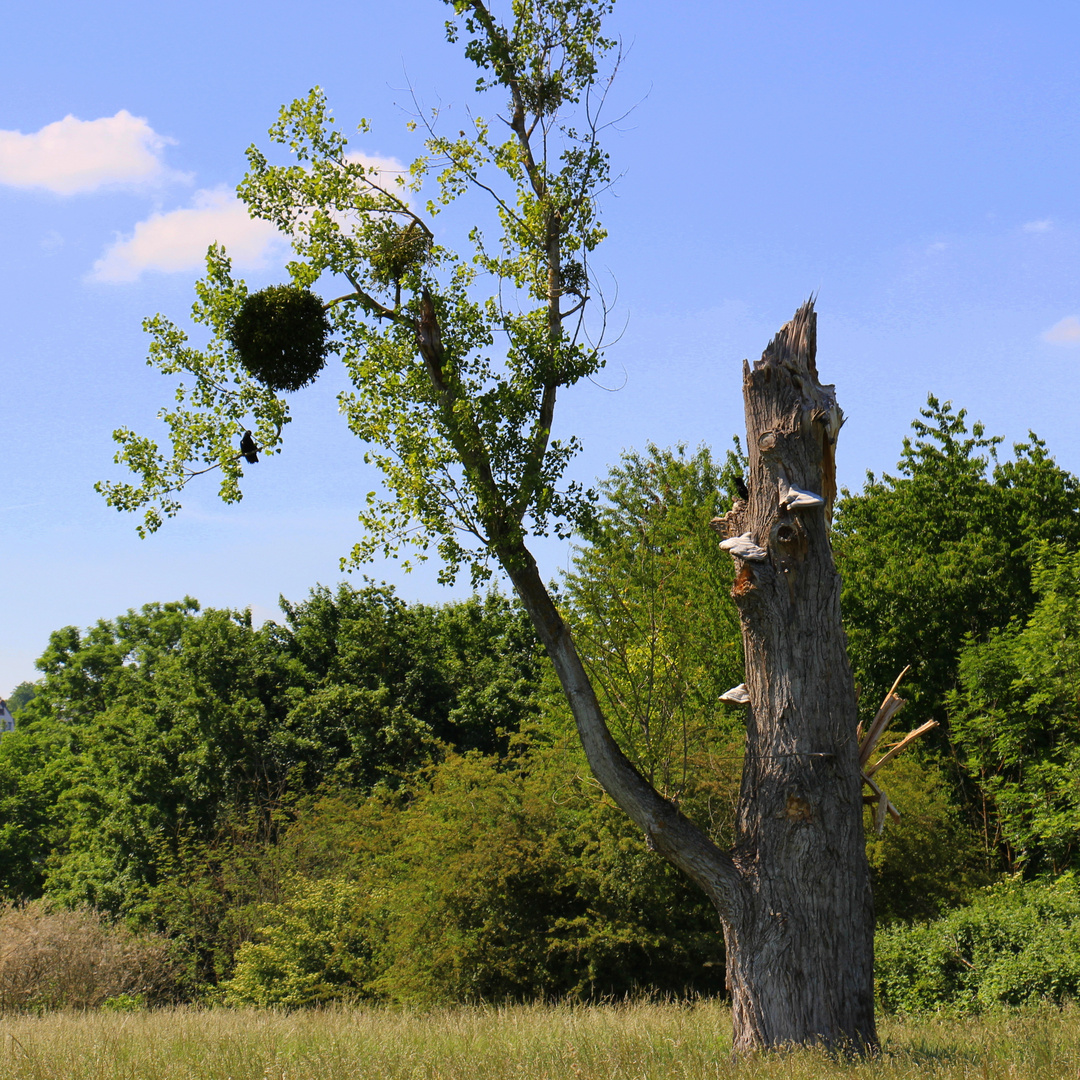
71, 155
178, 240
1038, 226
1066, 332
387, 172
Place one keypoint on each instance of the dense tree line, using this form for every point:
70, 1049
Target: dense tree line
158, 723
945, 552
385, 800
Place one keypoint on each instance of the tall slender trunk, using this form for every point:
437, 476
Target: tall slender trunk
668, 831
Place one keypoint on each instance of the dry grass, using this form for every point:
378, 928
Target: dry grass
528, 1042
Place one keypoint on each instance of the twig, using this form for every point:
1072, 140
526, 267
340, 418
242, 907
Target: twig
884, 806
909, 738
889, 708
211, 468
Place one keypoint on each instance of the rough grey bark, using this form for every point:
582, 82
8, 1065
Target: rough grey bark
800, 951
794, 893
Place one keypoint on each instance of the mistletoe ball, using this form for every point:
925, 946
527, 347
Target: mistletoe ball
281, 335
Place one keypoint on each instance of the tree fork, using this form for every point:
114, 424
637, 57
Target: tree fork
800, 952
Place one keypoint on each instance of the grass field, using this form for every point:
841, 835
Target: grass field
528, 1042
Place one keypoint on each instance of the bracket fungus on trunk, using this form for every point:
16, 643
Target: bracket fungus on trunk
800, 948
738, 695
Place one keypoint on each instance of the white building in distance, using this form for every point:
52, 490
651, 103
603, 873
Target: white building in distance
7, 721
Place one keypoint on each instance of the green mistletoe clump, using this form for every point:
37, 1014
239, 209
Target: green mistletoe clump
281, 336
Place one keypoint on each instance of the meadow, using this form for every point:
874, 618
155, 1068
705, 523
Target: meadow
531, 1042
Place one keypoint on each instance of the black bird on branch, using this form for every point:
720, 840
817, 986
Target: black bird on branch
249, 449
742, 489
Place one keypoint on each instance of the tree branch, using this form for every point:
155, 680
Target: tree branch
510, 78
462, 429
539, 443
667, 830
371, 304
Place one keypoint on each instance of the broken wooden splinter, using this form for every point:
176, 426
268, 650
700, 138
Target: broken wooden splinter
867, 743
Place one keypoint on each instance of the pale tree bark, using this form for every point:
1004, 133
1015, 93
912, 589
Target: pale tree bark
794, 894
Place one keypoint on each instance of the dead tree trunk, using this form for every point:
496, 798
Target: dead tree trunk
794, 894
800, 946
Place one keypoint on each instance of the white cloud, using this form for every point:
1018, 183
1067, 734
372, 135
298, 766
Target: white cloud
1066, 332
1039, 226
178, 240
72, 155
384, 171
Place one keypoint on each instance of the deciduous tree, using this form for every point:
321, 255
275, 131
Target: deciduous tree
944, 550
651, 612
150, 731
1015, 723
464, 434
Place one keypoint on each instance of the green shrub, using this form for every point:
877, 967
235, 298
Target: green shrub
485, 880
1015, 944
523, 881
313, 949
124, 1003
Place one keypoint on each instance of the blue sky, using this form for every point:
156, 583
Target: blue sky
915, 164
